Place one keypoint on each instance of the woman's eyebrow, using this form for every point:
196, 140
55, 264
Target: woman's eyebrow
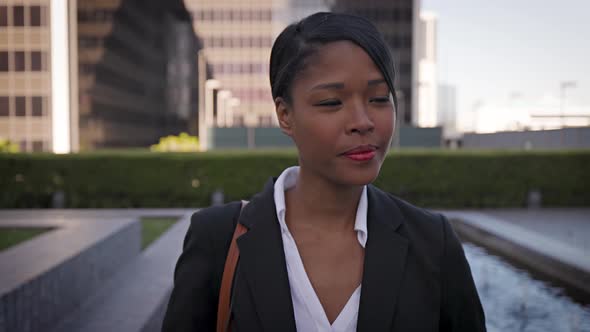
338, 85
375, 82
334, 85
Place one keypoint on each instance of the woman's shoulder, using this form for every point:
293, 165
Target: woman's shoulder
411, 212
216, 215
415, 212
215, 223
420, 225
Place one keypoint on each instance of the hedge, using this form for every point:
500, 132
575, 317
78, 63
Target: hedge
432, 178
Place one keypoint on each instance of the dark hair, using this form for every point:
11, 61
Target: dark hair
300, 40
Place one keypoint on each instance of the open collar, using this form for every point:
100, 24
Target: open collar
263, 262
288, 178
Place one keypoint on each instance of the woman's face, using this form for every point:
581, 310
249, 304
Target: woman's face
341, 116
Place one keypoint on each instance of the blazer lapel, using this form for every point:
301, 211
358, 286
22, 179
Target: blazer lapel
385, 257
262, 260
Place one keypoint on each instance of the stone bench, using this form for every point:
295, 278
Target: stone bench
44, 279
135, 298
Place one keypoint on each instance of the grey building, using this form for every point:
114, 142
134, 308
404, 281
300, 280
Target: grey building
144, 85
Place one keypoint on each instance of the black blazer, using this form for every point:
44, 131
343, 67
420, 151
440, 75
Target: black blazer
415, 278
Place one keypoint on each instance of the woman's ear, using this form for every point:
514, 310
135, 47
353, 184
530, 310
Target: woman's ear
284, 116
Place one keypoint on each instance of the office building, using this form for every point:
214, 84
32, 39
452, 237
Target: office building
426, 104
395, 19
86, 74
25, 77
137, 72
237, 38
298, 9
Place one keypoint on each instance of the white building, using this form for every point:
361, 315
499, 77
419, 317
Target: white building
426, 104
447, 109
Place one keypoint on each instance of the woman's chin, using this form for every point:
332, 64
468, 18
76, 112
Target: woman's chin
358, 177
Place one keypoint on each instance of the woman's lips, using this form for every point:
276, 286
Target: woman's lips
361, 155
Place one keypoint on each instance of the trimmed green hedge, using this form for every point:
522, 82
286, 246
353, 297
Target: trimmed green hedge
430, 178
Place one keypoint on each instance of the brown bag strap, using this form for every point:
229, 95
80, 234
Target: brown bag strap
231, 261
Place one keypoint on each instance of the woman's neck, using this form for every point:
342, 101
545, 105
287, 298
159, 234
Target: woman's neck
326, 204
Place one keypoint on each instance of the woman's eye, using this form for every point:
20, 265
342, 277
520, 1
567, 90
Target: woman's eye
328, 102
380, 100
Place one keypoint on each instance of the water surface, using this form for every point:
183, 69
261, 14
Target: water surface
515, 301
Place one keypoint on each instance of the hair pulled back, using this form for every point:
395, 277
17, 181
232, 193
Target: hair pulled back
298, 41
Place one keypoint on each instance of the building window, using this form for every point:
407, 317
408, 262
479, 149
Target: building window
395, 42
227, 15
35, 16
3, 61
407, 15
37, 105
407, 42
217, 42
405, 69
86, 68
256, 42
37, 146
37, 61
4, 103
265, 121
20, 106
88, 42
256, 15
3, 16
18, 16
243, 42
233, 15
238, 121
19, 61
95, 15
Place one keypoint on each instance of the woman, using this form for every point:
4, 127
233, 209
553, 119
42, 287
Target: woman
325, 250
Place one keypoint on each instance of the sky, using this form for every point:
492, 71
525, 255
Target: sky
508, 56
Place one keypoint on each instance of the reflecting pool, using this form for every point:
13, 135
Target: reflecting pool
514, 301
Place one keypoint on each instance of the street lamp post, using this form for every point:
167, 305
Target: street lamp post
207, 121
476, 106
512, 101
563, 86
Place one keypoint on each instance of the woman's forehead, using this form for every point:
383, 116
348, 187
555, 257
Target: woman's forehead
339, 61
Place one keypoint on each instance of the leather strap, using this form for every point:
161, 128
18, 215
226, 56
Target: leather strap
231, 261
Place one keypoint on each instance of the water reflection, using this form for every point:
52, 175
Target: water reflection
514, 301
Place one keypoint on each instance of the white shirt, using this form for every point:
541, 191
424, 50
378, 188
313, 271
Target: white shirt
308, 310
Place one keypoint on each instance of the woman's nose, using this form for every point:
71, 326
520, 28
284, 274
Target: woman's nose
360, 122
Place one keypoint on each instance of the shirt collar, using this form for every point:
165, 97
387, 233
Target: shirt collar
288, 179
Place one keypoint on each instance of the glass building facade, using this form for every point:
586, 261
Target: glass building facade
86, 74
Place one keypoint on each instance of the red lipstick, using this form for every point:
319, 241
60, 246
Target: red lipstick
361, 153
